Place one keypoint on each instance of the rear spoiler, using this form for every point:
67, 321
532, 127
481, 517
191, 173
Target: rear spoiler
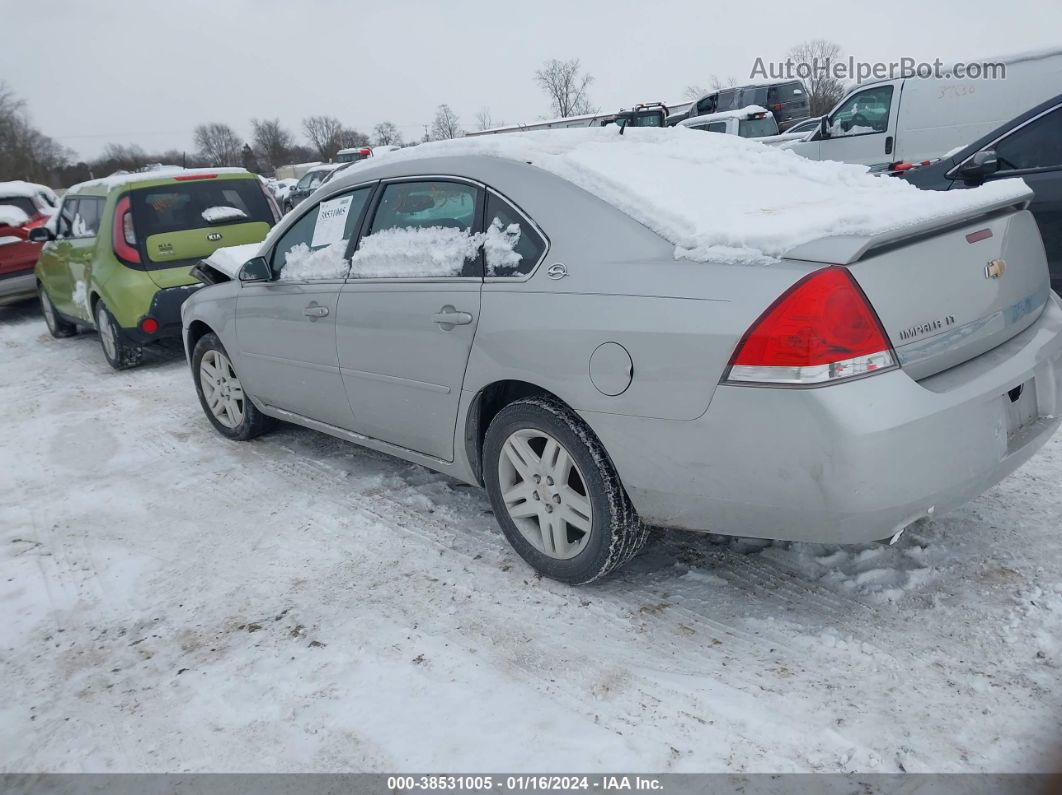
847, 249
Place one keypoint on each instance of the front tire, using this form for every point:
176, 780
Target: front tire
121, 353
57, 327
556, 494
221, 394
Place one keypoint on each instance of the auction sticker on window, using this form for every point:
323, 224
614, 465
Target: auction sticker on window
331, 221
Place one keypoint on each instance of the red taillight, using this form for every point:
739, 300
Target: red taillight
149, 325
821, 329
124, 236
903, 167
191, 177
365, 152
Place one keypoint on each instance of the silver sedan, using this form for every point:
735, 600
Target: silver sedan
496, 322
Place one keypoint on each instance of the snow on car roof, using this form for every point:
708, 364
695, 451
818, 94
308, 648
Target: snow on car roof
165, 172
723, 197
740, 113
24, 189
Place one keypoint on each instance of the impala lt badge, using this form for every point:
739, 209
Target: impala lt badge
214, 236
995, 268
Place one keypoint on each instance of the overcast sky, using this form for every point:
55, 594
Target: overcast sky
146, 72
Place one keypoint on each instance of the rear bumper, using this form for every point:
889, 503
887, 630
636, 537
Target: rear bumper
850, 462
18, 286
166, 309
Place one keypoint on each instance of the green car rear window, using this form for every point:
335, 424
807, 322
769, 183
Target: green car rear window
198, 205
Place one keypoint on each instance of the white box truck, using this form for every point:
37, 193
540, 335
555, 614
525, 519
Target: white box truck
911, 119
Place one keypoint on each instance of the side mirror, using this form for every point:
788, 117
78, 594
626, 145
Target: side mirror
255, 270
824, 127
983, 164
40, 234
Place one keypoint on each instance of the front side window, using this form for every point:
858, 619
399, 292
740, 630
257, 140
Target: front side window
314, 247
511, 245
86, 221
864, 113
65, 225
421, 230
1036, 145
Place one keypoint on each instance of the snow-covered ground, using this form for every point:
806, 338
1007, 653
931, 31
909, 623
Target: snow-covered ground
173, 601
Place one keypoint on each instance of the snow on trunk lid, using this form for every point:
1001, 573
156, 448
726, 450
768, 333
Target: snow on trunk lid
951, 296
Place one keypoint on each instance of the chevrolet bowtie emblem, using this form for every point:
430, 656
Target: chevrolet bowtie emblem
995, 268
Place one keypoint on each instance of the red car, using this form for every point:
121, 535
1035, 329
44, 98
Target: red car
23, 206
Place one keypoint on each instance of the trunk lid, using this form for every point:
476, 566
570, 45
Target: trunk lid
180, 223
947, 296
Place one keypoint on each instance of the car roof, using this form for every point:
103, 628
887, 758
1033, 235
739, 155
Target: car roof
156, 176
740, 113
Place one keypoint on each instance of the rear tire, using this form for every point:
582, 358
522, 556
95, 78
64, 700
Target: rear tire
57, 327
226, 405
120, 352
556, 494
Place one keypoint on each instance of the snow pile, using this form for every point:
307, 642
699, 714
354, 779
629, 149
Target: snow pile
229, 259
723, 197
12, 216
27, 190
499, 244
407, 252
213, 215
324, 263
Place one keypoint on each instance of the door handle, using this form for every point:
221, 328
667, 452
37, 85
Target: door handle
315, 311
448, 317
888, 144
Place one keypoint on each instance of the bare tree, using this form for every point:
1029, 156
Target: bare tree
325, 133
272, 143
566, 86
348, 138
386, 134
446, 124
694, 92
719, 83
486, 121
813, 58
26, 152
218, 144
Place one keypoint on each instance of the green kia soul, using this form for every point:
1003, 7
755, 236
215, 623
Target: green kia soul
118, 254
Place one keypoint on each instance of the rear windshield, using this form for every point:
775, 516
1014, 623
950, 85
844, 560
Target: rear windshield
351, 157
24, 203
757, 128
195, 205
787, 92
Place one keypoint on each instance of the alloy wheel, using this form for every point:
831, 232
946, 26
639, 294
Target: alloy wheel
221, 388
106, 332
545, 493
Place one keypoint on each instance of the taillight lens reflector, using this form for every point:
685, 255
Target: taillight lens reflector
822, 329
124, 236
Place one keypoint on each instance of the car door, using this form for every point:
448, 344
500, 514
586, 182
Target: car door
83, 238
286, 326
53, 267
1033, 152
409, 310
862, 129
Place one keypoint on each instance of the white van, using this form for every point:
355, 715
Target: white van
751, 122
920, 118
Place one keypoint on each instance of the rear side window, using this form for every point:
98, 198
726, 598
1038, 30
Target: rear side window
511, 245
421, 230
315, 246
87, 213
715, 126
24, 203
1036, 145
196, 205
